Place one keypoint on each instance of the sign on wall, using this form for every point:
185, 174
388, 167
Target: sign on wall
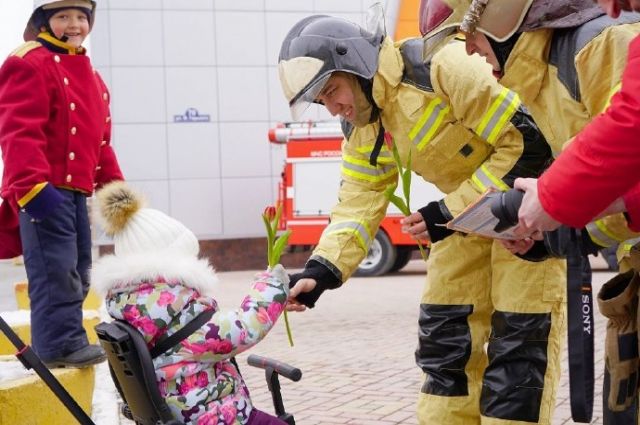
191, 115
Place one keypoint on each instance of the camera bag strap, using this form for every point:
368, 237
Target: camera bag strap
580, 332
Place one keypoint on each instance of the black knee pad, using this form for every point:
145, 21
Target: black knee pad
514, 379
444, 348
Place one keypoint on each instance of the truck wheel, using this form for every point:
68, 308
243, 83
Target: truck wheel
403, 255
379, 259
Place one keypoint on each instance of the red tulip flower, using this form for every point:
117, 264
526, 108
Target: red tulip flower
270, 213
275, 246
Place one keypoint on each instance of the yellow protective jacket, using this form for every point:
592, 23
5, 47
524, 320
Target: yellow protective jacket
464, 131
565, 78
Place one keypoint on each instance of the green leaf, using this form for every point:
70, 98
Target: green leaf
278, 247
395, 200
269, 239
276, 220
399, 203
406, 181
396, 157
267, 224
389, 191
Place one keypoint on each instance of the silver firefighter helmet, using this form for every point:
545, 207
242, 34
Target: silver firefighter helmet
319, 45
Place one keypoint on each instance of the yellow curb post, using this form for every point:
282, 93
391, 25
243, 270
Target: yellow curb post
29, 401
89, 322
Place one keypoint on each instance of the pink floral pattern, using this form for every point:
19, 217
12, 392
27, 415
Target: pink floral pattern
197, 378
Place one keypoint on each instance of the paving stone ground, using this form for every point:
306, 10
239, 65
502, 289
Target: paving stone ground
355, 350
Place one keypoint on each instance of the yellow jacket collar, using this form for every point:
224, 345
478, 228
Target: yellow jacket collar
61, 46
389, 73
528, 63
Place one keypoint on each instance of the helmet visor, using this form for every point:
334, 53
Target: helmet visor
433, 13
301, 103
438, 40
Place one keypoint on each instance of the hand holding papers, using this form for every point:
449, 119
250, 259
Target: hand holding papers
482, 217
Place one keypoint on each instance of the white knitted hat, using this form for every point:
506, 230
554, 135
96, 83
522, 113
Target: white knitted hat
140, 231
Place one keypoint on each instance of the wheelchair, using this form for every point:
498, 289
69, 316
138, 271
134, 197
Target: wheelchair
132, 371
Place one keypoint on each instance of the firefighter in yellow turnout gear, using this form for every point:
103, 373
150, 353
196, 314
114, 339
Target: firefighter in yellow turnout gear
466, 133
565, 59
552, 55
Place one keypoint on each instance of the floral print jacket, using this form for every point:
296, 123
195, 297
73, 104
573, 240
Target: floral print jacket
159, 296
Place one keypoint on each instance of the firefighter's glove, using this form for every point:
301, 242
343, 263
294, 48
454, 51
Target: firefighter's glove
43, 203
618, 301
436, 215
556, 245
324, 278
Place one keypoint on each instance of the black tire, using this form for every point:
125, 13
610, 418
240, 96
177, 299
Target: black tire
403, 255
379, 259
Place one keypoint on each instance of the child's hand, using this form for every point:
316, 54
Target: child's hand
279, 273
303, 285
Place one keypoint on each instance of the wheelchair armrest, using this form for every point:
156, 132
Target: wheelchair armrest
284, 369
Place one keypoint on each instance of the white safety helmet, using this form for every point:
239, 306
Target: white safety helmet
319, 45
500, 19
32, 29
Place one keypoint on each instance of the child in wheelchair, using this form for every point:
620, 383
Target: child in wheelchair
156, 282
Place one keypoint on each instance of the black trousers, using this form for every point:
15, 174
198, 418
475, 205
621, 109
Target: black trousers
57, 257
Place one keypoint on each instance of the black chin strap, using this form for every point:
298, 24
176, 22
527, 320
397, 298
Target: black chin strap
373, 159
47, 27
367, 89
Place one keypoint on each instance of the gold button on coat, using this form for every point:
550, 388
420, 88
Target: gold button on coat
74, 130
65, 80
104, 142
56, 58
68, 178
72, 156
72, 106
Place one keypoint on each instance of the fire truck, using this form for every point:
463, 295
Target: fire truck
308, 190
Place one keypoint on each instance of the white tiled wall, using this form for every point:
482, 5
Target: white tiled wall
161, 58
192, 151
191, 87
142, 150
138, 94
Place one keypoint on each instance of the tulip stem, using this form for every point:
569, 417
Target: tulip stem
288, 328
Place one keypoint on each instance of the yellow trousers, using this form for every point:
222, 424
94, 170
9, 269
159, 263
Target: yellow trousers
491, 330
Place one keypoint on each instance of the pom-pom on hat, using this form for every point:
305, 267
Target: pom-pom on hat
137, 230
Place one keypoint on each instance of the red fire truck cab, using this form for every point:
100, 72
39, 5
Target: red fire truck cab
308, 190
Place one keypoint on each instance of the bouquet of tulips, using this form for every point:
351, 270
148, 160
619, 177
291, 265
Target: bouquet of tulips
275, 246
405, 176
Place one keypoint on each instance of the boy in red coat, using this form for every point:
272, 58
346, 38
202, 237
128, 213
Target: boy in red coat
55, 130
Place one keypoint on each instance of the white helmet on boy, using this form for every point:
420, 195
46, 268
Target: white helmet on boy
32, 29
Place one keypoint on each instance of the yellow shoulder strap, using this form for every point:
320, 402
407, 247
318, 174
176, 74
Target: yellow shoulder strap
25, 48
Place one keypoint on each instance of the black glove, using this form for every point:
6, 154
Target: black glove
538, 252
558, 240
555, 243
435, 215
324, 278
